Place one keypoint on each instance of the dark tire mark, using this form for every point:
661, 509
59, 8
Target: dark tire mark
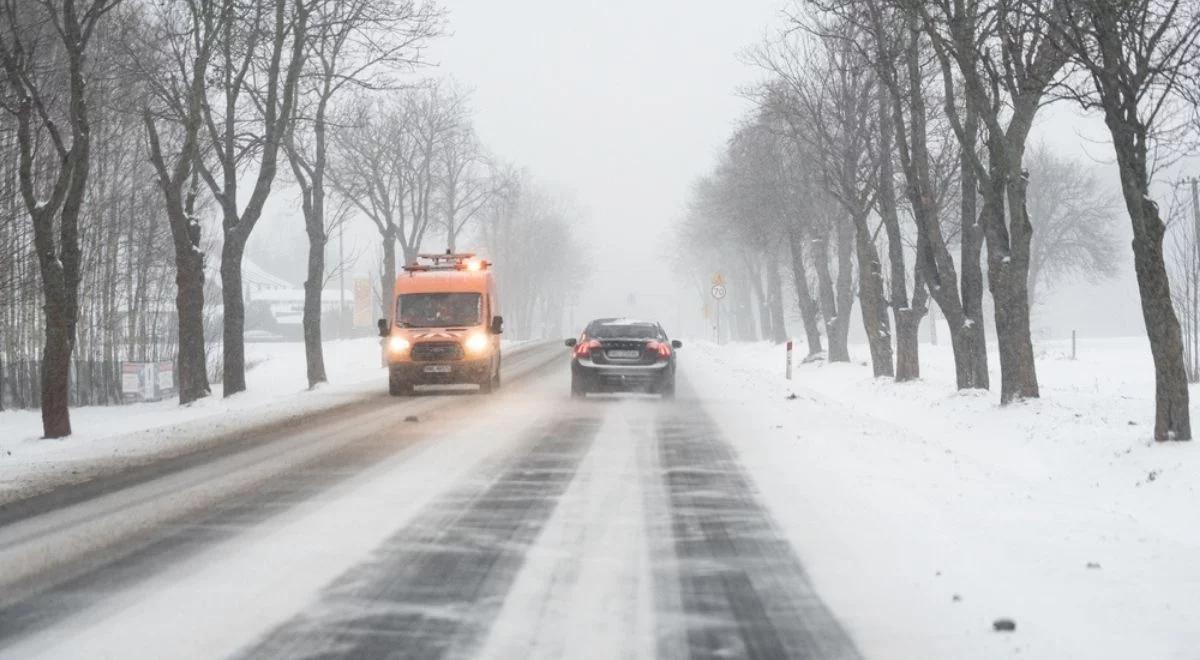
76, 586
434, 588
143, 469
741, 586
139, 558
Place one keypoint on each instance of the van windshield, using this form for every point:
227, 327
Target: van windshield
438, 310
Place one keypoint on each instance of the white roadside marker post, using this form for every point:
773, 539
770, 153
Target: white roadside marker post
789, 359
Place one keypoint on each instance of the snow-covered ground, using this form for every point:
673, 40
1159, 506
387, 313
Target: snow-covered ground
276, 389
923, 515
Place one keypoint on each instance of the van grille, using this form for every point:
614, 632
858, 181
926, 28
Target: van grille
437, 351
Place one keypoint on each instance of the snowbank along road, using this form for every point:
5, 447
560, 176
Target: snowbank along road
522, 524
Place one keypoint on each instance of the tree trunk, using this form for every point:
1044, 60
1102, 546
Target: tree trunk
192, 376
838, 351
387, 277
189, 307
754, 276
1008, 262
56, 355
870, 296
840, 330
836, 302
234, 333
907, 316
808, 306
314, 283
908, 363
741, 306
775, 296
1172, 418
973, 370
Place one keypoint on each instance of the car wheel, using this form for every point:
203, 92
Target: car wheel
578, 391
667, 389
397, 386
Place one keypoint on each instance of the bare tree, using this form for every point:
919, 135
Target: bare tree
368, 167
383, 160
1136, 56
351, 44
35, 84
528, 231
874, 35
1074, 215
1183, 262
187, 34
434, 113
257, 65
465, 178
1007, 63
831, 103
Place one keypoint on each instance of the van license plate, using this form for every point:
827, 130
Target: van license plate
438, 369
624, 355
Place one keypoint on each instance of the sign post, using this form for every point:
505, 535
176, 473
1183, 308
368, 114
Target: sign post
789, 359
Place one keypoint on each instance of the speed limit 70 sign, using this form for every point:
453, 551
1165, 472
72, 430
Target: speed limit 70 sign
718, 291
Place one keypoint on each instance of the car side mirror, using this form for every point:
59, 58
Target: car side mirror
497, 326
675, 343
384, 330
571, 342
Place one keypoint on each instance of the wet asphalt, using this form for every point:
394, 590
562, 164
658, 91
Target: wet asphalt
724, 581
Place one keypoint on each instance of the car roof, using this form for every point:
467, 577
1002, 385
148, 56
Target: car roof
622, 321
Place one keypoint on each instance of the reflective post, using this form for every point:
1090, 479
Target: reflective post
789, 359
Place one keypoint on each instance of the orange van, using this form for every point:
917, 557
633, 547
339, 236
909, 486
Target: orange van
445, 326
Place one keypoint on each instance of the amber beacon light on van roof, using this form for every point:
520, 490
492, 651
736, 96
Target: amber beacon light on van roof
448, 261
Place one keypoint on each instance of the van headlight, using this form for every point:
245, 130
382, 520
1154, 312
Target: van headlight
477, 343
399, 344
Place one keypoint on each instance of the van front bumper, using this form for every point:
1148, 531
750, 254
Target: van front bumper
442, 373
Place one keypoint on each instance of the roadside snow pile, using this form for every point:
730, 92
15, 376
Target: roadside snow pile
926, 517
109, 435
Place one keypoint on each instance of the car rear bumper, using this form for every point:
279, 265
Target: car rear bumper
436, 373
617, 378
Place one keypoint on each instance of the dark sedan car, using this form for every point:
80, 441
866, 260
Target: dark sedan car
621, 355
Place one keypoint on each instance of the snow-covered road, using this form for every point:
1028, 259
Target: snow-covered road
523, 524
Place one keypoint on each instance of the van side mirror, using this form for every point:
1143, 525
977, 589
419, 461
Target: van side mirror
497, 326
571, 342
675, 343
383, 327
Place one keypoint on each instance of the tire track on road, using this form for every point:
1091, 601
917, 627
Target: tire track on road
291, 476
433, 589
741, 587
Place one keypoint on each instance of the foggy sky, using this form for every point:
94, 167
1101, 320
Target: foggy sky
620, 105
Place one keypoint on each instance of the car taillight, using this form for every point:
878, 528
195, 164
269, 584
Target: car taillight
585, 349
663, 350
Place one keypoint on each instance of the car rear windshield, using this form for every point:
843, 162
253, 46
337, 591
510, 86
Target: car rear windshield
624, 331
438, 310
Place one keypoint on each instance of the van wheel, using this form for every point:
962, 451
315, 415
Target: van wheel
397, 386
488, 384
